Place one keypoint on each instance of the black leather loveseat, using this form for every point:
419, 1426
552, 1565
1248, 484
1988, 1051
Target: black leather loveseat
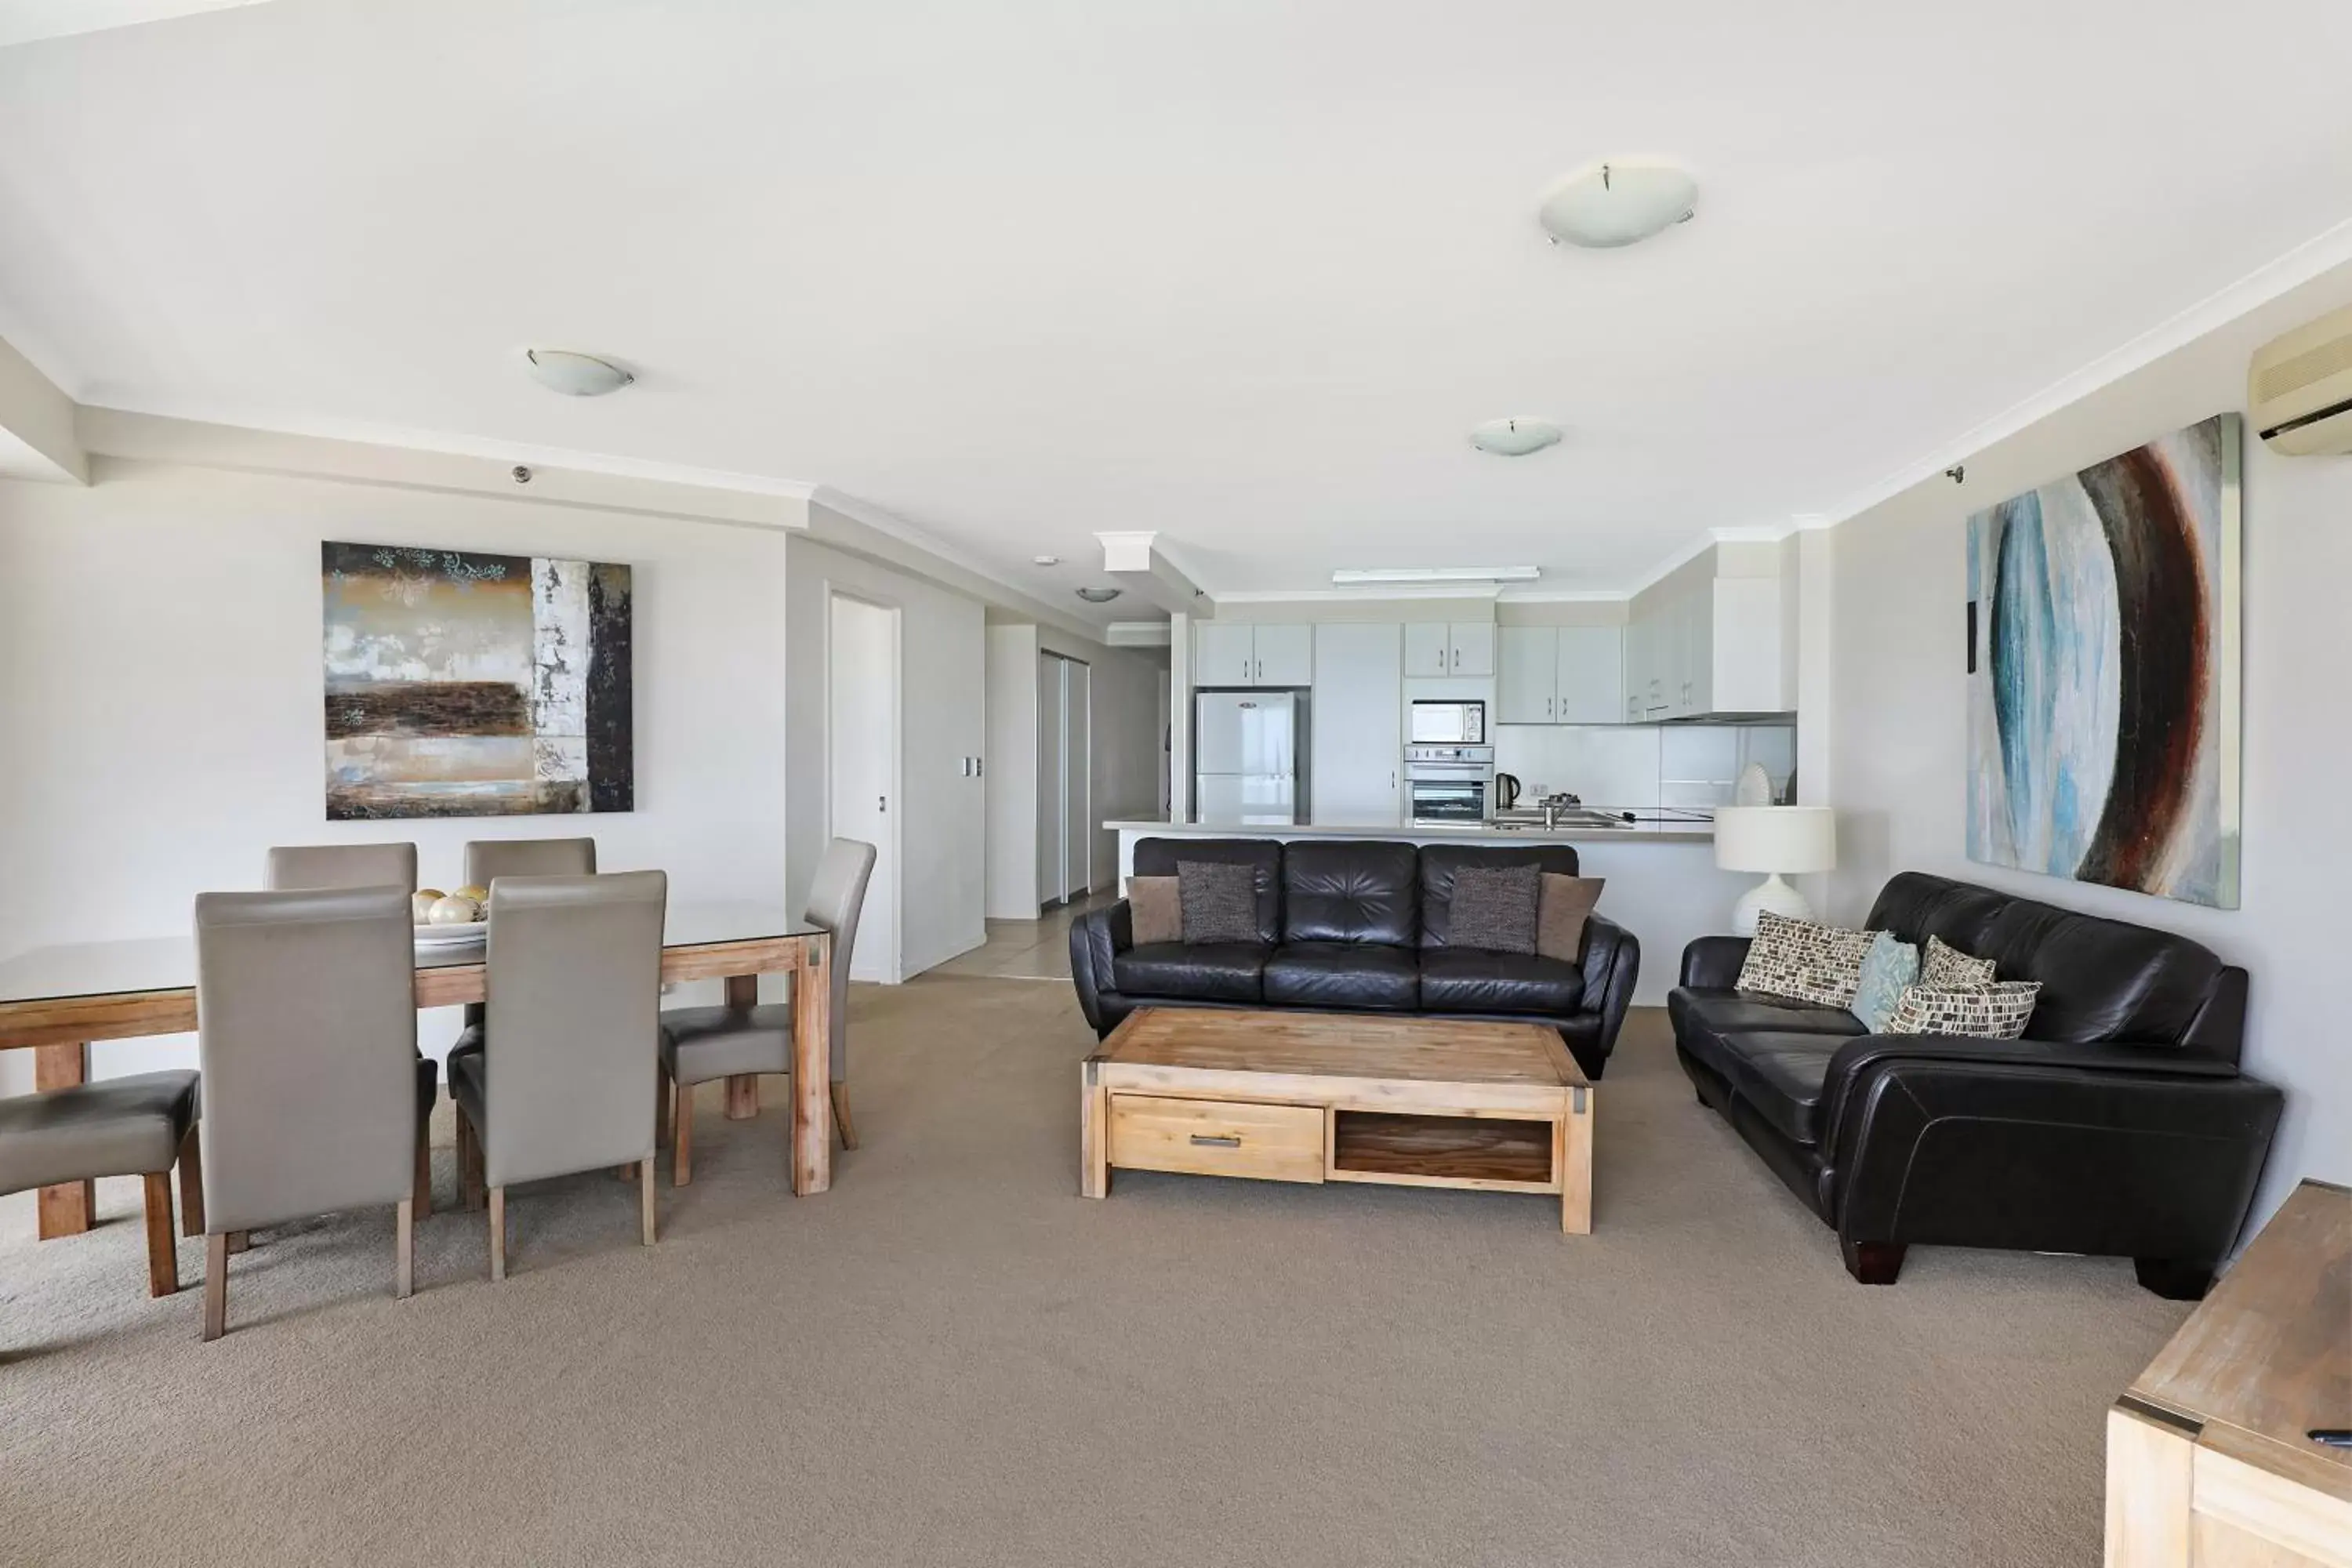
2120, 1126
1349, 925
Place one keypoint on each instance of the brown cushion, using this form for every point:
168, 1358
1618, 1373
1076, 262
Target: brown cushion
1218, 900
1156, 908
1494, 908
1561, 907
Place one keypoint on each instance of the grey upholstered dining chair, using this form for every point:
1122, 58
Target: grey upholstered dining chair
306, 1030
135, 1126
699, 1043
574, 972
487, 860
318, 866
341, 865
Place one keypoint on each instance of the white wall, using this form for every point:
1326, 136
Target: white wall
1900, 697
1012, 773
160, 699
942, 813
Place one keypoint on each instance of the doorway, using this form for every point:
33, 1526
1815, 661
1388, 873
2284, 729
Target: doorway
1064, 760
862, 765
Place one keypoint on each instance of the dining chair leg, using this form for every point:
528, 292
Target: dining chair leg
469, 1162
421, 1187
497, 1233
238, 1240
403, 1241
661, 1110
216, 1285
163, 1248
841, 1122
645, 1199
743, 1097
681, 1152
192, 1185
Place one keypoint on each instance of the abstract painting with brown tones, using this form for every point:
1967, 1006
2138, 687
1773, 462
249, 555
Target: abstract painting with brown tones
466, 685
2103, 672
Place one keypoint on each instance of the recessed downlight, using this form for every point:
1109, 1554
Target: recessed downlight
1515, 438
1046, 560
1618, 202
575, 374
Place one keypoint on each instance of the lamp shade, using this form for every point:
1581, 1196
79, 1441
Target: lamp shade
1782, 839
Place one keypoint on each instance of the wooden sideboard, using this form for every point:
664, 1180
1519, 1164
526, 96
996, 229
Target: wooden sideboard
2210, 1460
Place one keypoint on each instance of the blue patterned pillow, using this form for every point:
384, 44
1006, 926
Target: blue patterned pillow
1886, 970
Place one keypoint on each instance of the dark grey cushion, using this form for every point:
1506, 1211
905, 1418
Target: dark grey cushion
699, 1044
115, 1127
1494, 908
1220, 901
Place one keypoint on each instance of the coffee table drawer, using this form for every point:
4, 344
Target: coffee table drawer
1217, 1138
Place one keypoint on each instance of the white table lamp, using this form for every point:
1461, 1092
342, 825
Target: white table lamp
1777, 840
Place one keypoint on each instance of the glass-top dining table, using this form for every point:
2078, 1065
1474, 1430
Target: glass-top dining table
53, 1001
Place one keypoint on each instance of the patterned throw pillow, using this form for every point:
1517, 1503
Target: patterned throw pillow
1155, 909
1996, 1012
1218, 900
1887, 969
1948, 967
1494, 908
1561, 909
1804, 962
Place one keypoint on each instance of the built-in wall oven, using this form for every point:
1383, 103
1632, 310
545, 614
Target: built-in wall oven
1449, 785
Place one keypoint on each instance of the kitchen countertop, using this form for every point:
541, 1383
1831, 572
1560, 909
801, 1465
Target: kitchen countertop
1646, 833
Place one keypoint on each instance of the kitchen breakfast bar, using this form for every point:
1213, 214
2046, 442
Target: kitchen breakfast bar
1664, 884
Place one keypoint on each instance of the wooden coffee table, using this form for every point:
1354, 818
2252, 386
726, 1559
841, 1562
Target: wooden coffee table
1341, 1097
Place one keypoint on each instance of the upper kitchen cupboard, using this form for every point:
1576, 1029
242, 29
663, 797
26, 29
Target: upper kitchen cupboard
1239, 653
1562, 675
1356, 726
1433, 649
1704, 647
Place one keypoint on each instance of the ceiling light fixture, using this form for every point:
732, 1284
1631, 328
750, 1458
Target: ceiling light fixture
1515, 438
1615, 203
1358, 576
575, 374
1097, 596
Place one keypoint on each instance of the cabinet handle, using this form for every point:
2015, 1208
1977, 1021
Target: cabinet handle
1208, 1143
1261, 669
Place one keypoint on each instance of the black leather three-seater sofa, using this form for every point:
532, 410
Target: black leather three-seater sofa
2119, 1127
1349, 925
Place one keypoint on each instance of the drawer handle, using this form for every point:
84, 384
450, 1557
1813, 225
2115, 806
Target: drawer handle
1228, 1141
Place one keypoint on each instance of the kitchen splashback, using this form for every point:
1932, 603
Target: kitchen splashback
1640, 766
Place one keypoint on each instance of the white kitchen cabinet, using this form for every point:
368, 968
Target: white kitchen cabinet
1224, 653
1743, 669
1428, 648
1589, 674
1286, 656
1238, 653
1474, 647
1528, 672
1356, 726
1712, 648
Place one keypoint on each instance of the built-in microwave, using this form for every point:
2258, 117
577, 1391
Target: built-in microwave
1435, 723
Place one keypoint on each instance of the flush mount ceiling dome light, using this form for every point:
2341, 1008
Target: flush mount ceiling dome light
1097, 596
575, 374
1515, 438
1618, 202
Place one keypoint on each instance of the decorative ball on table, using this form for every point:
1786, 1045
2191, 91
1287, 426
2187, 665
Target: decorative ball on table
1777, 840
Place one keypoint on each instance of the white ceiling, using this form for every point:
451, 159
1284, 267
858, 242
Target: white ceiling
1246, 273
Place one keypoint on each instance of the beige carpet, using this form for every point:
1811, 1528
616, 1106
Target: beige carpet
953, 1359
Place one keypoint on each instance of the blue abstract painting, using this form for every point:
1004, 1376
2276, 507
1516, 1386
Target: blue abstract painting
2103, 672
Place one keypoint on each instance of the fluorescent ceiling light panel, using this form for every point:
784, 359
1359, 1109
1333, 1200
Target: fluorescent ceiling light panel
1350, 576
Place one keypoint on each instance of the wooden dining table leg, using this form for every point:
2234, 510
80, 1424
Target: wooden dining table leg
812, 1066
743, 1088
65, 1209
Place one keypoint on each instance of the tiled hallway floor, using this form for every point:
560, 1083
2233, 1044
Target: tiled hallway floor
1027, 950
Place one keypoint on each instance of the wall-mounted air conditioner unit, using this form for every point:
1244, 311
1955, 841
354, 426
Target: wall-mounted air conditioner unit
2299, 388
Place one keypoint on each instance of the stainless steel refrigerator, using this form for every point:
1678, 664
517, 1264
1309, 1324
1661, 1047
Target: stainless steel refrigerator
1249, 756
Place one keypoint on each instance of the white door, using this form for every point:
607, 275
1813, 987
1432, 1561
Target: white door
1078, 757
1358, 726
862, 765
1474, 647
1427, 650
1053, 838
1591, 680
1224, 653
1529, 664
1286, 656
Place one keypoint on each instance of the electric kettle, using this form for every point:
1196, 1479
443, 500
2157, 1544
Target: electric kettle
1507, 791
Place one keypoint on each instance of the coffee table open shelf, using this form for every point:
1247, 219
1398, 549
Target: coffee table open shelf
1332, 1096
